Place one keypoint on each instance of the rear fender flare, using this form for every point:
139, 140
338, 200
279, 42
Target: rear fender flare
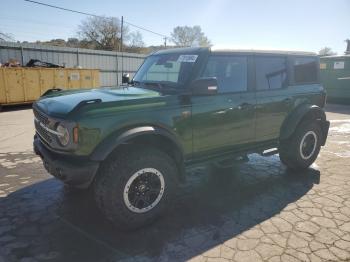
302, 112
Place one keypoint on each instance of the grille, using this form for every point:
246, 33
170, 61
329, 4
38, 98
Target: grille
44, 134
41, 117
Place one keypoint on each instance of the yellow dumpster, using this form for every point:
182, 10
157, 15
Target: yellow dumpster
25, 85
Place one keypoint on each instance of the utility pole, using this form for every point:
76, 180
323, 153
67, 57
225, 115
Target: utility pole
121, 44
165, 41
121, 35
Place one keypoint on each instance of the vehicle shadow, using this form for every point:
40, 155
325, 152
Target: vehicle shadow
209, 210
9, 108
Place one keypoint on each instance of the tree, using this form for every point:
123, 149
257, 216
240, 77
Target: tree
326, 51
56, 42
73, 42
347, 51
5, 37
136, 40
185, 36
103, 32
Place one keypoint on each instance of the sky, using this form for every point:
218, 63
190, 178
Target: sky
307, 25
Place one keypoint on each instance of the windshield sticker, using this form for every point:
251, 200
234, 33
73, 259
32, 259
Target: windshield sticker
187, 58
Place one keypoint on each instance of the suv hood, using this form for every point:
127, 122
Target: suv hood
63, 102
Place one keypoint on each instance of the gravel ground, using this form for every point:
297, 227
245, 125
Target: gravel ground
258, 211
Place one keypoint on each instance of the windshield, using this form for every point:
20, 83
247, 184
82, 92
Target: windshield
171, 69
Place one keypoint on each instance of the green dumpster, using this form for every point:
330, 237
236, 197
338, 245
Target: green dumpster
335, 77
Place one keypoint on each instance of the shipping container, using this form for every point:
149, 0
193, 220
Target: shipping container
111, 64
335, 77
19, 85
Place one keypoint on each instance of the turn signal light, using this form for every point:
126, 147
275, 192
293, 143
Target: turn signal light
75, 135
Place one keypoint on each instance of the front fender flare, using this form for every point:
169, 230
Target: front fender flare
103, 150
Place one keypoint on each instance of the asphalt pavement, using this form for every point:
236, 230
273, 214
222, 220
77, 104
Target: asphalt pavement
258, 211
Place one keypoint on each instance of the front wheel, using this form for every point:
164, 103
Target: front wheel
302, 149
133, 188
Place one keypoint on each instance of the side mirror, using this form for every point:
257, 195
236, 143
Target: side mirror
126, 78
205, 86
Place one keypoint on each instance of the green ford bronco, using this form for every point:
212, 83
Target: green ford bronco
132, 144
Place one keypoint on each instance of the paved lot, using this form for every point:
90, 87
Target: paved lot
257, 212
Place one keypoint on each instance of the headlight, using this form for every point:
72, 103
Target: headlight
63, 134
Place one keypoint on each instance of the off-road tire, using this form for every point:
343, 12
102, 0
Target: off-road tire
113, 176
290, 150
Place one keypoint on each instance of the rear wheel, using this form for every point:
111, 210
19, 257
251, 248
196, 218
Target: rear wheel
302, 149
134, 188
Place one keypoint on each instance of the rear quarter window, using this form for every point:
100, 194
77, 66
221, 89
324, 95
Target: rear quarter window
305, 70
270, 72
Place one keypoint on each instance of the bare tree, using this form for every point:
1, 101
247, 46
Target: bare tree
189, 36
326, 51
103, 32
6, 37
73, 42
136, 40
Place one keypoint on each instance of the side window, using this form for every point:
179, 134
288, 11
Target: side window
305, 70
230, 71
270, 72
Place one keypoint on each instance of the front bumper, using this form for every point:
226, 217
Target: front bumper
77, 172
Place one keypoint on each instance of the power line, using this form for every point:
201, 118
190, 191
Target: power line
61, 8
142, 28
89, 14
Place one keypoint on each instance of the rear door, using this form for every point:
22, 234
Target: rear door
273, 99
224, 121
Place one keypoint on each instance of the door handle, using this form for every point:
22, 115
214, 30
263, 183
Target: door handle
243, 106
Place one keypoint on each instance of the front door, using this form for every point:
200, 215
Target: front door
224, 121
